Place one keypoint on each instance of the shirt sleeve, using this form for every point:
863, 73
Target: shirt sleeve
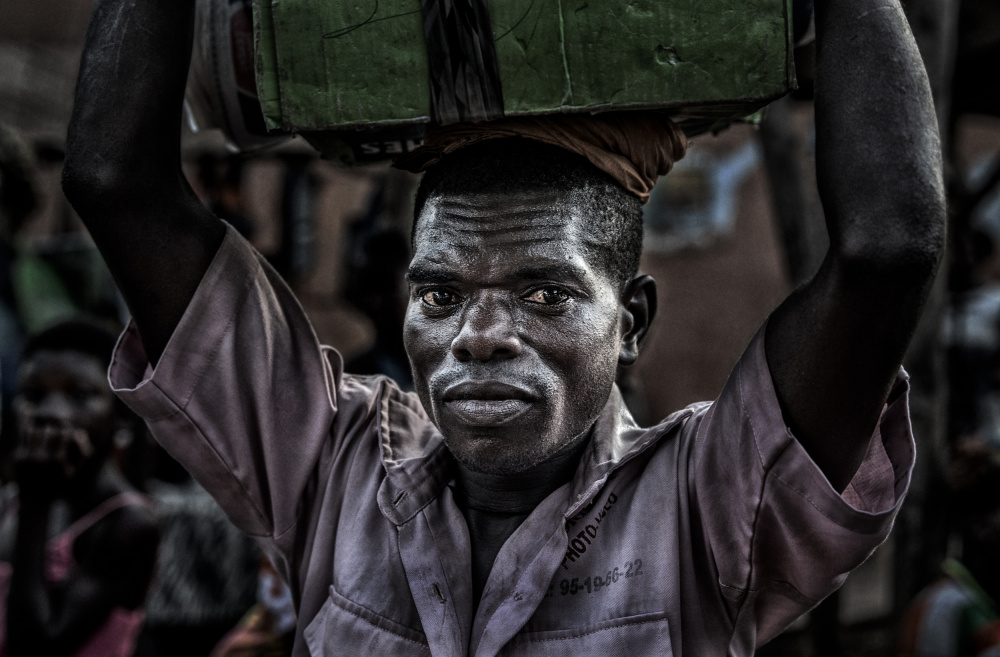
779, 535
243, 395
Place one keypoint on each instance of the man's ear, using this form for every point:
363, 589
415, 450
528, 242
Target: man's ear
638, 307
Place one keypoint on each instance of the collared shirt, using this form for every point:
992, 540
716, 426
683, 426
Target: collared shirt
703, 535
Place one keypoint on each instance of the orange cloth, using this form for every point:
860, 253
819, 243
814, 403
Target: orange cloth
634, 148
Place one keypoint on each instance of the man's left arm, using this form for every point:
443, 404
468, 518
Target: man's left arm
834, 346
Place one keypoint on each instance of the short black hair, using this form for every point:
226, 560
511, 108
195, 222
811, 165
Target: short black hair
81, 334
505, 165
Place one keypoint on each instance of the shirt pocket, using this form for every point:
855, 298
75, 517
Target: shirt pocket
343, 627
645, 635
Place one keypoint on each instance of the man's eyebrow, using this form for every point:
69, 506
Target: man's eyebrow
430, 274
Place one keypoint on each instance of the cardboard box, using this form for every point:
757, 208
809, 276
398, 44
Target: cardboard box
329, 67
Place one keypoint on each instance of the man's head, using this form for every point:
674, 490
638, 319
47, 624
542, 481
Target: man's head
524, 299
66, 412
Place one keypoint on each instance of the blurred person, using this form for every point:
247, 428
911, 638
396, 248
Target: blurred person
207, 571
77, 542
958, 616
268, 629
512, 505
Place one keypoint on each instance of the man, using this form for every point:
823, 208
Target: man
514, 508
77, 543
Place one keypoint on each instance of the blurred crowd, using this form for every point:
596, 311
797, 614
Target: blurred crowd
108, 542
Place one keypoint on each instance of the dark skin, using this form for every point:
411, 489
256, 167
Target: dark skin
513, 333
66, 418
833, 347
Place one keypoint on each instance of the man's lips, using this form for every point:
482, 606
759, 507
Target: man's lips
486, 403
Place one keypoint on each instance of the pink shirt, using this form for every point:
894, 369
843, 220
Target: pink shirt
704, 535
117, 635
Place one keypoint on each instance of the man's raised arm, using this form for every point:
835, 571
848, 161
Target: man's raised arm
835, 345
123, 167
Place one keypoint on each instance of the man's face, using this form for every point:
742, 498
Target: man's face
513, 332
65, 409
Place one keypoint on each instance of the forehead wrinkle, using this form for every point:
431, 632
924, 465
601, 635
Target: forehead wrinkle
488, 228
535, 200
478, 213
489, 232
435, 265
445, 238
493, 225
495, 209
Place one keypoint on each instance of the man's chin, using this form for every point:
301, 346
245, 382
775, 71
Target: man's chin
491, 462
500, 450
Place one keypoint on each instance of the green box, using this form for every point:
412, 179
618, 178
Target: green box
335, 65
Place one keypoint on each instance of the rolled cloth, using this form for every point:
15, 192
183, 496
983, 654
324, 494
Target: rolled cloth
634, 148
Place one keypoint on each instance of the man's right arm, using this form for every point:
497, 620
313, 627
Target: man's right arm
123, 166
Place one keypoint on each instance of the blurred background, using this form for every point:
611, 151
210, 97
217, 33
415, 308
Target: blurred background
730, 232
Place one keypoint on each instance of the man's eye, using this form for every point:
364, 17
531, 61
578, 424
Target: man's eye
438, 298
549, 296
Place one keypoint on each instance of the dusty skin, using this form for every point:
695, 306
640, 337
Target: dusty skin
514, 336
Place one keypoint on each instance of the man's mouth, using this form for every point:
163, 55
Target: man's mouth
486, 403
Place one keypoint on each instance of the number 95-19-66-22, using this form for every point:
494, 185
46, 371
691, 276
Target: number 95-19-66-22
596, 582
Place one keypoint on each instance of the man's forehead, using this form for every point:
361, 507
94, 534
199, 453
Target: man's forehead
517, 204
518, 215
505, 233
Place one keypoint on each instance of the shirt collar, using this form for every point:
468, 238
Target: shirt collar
617, 440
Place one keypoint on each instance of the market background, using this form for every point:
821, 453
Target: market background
729, 234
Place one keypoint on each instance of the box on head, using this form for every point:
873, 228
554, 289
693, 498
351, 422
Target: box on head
361, 80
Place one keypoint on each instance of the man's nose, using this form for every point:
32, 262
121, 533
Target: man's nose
488, 331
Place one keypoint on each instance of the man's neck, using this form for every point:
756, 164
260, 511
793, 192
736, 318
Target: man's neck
520, 492
494, 505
